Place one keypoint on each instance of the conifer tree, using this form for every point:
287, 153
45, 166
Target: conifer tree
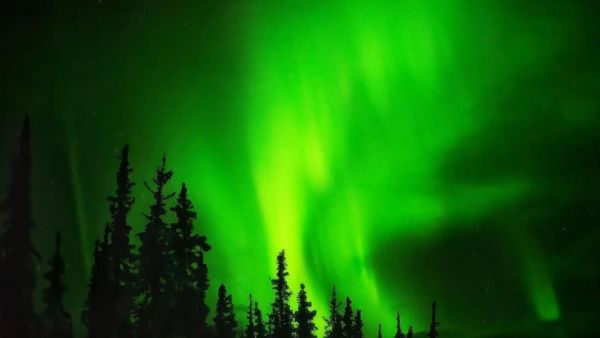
333, 324
250, 327
96, 314
434, 324
120, 256
281, 316
225, 323
17, 277
357, 331
379, 331
410, 333
347, 320
153, 280
261, 331
55, 321
305, 326
189, 271
109, 305
399, 333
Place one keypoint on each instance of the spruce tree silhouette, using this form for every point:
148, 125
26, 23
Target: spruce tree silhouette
120, 256
250, 327
357, 331
305, 326
261, 331
281, 316
347, 320
399, 333
189, 271
17, 276
225, 323
333, 324
434, 324
410, 333
108, 309
55, 322
171, 281
152, 281
96, 315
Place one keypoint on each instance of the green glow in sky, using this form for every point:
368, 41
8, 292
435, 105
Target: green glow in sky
401, 150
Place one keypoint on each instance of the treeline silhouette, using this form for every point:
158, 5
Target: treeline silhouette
157, 292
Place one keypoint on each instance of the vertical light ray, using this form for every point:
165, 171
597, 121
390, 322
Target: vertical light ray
80, 210
537, 278
323, 122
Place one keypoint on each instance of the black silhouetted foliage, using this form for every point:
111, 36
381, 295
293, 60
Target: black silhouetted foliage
434, 324
250, 326
108, 309
304, 316
347, 320
333, 324
410, 333
55, 321
163, 289
17, 276
399, 333
281, 316
225, 323
261, 331
189, 279
152, 282
357, 330
120, 256
96, 315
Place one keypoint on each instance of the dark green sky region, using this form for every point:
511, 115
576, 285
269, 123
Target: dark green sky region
407, 151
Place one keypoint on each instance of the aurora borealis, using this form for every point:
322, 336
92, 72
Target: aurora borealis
405, 151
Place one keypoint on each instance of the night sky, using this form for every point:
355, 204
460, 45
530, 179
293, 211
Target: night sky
405, 151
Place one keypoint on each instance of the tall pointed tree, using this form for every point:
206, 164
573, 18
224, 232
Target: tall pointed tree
225, 323
17, 277
120, 254
250, 326
333, 324
410, 333
261, 331
152, 279
55, 321
305, 326
347, 320
399, 333
108, 311
434, 323
281, 316
357, 331
379, 331
189, 271
97, 314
